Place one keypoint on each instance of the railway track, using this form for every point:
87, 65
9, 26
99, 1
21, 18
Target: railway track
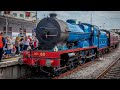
112, 71
74, 70
43, 75
78, 68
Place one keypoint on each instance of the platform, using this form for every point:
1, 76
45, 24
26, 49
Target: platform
9, 62
10, 69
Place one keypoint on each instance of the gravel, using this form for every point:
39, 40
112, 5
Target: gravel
93, 70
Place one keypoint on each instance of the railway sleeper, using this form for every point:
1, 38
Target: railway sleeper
114, 70
110, 77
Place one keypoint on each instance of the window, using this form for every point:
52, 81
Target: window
15, 14
86, 27
10, 29
21, 15
20, 30
27, 14
4, 28
24, 32
6, 12
92, 28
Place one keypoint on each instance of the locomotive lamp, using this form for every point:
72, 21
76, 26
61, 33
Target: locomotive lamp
55, 49
48, 62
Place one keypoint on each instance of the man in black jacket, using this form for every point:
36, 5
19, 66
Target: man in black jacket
2, 43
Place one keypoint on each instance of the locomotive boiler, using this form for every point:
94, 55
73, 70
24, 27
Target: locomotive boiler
53, 33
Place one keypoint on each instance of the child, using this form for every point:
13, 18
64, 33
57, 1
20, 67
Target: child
35, 42
14, 50
9, 47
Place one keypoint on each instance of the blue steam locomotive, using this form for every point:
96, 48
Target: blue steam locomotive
67, 44
69, 35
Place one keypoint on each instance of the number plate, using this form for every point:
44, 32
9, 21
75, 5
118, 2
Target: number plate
38, 54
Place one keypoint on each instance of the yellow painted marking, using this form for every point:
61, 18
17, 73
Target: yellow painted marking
10, 58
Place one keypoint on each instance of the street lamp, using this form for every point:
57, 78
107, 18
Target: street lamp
35, 25
91, 17
103, 25
6, 13
36, 18
6, 26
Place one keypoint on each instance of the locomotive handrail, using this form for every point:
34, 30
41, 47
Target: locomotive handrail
48, 28
50, 35
82, 32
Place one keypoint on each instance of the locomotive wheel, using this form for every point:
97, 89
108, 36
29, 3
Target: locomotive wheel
80, 62
93, 58
114, 47
99, 54
92, 52
84, 54
71, 66
76, 63
57, 72
106, 51
83, 61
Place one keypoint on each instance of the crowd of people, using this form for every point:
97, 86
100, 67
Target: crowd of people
10, 47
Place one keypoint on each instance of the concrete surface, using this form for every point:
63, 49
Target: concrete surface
10, 69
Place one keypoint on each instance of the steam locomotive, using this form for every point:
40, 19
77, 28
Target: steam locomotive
65, 45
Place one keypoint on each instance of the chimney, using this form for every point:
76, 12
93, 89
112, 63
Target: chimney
53, 15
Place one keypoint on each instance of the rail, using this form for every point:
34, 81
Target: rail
107, 69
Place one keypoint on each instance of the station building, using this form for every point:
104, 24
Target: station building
17, 22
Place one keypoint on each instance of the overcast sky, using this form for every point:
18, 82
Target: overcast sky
110, 18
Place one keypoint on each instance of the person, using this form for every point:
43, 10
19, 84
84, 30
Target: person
17, 44
9, 47
5, 47
21, 43
31, 42
35, 42
2, 43
14, 50
26, 43
29, 38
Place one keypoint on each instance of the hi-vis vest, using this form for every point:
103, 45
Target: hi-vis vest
1, 42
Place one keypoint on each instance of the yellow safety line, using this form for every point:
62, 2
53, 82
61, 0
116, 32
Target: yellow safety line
10, 58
